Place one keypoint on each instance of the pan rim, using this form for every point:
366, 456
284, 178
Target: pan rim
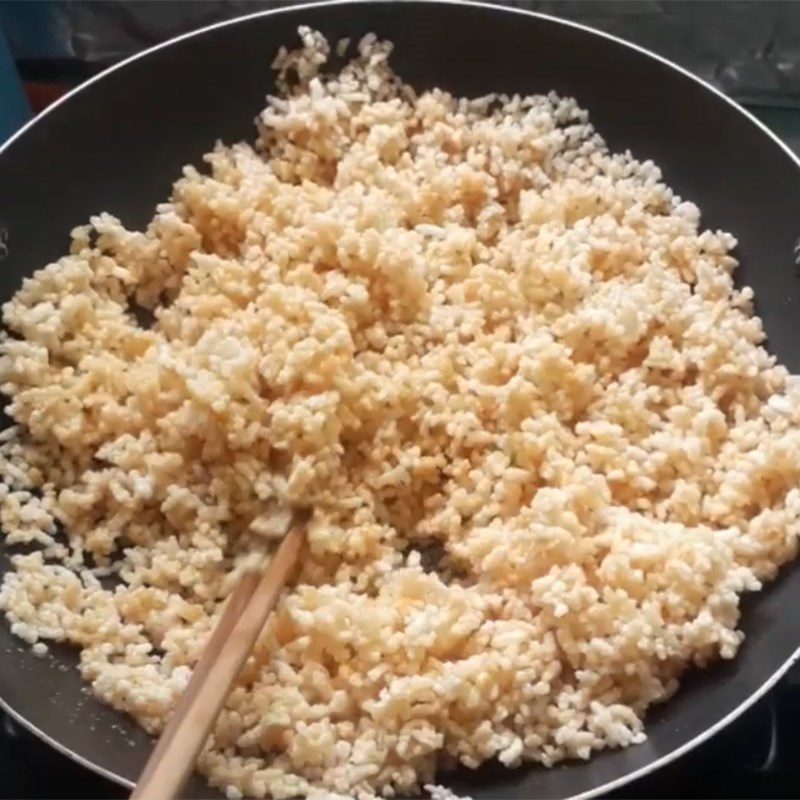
656, 763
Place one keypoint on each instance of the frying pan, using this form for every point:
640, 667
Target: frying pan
118, 142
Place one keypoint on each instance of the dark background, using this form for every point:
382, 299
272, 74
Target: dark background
749, 49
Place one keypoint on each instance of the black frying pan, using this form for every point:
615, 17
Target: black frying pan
117, 143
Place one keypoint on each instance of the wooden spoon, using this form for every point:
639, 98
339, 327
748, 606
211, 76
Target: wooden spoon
244, 616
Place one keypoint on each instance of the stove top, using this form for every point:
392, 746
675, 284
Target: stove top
755, 757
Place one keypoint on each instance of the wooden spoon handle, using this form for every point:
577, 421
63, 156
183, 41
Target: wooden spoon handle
244, 616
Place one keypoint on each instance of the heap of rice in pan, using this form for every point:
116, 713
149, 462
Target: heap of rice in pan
508, 370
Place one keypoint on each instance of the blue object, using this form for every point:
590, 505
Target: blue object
37, 29
14, 108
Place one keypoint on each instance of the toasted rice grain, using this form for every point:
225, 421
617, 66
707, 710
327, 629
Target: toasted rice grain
545, 447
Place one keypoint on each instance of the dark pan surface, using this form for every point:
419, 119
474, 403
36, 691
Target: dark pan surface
117, 144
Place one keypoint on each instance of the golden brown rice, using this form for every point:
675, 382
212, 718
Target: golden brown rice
545, 447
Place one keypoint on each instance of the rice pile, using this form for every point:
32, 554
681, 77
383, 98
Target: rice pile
544, 446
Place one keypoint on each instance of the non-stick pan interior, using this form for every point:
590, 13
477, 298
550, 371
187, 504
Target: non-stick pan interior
119, 143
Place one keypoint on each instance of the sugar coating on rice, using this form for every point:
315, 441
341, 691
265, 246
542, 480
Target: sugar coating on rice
508, 369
